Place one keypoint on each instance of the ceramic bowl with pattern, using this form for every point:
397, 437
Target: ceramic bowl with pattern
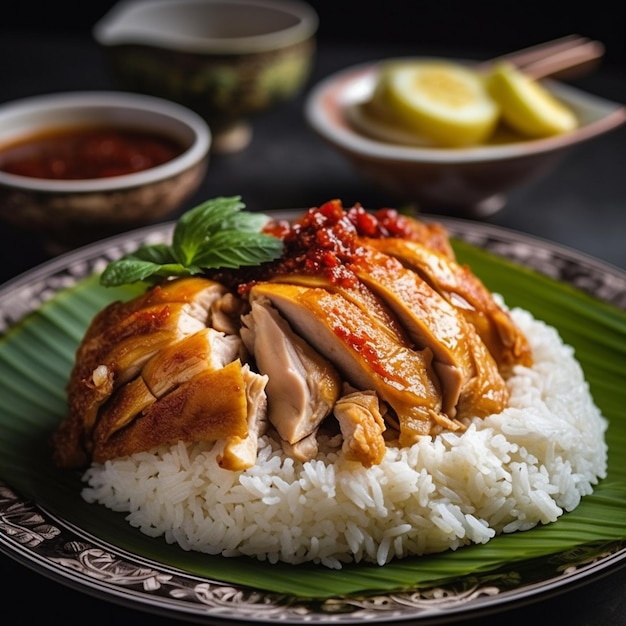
228, 60
470, 181
76, 167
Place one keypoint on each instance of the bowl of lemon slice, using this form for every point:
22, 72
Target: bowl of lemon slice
452, 136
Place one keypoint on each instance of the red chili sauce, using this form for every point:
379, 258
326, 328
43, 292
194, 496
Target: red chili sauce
326, 239
323, 242
81, 153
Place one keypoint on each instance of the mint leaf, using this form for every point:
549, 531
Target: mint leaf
147, 261
159, 253
198, 225
252, 222
216, 234
232, 249
128, 271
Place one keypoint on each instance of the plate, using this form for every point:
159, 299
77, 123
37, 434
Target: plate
471, 181
45, 525
333, 106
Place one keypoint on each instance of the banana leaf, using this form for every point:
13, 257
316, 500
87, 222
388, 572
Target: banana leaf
37, 353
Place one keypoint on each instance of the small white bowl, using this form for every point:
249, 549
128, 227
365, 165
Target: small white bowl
68, 213
470, 182
228, 60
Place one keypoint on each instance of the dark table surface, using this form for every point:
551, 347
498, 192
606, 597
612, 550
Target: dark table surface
581, 204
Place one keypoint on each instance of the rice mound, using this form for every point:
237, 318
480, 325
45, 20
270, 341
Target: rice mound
508, 472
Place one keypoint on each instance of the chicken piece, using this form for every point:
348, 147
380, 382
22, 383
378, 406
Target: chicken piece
303, 386
198, 293
226, 313
208, 407
126, 347
120, 339
303, 450
116, 345
207, 349
240, 453
358, 294
112, 358
367, 356
430, 320
123, 320
362, 427
463, 289
123, 407
485, 393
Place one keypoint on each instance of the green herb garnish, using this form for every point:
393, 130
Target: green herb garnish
216, 234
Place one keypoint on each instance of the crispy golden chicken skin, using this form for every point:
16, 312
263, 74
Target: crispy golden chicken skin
464, 291
121, 340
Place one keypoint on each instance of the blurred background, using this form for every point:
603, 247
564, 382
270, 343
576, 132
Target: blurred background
481, 26
48, 47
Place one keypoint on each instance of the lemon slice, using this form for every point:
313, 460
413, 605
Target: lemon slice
443, 102
526, 105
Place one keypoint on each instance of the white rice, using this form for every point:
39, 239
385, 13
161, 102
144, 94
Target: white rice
509, 472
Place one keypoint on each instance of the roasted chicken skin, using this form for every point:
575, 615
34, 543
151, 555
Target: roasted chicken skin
366, 330
464, 291
118, 344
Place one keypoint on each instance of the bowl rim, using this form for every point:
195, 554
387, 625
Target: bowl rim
113, 30
326, 102
111, 100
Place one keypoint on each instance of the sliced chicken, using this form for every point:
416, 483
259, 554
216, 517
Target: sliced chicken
362, 427
463, 289
303, 450
116, 356
239, 453
430, 320
208, 407
127, 346
359, 295
303, 386
367, 357
199, 293
226, 313
121, 320
207, 349
370, 321
124, 406
119, 341
486, 392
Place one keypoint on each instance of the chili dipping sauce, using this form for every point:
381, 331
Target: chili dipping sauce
87, 152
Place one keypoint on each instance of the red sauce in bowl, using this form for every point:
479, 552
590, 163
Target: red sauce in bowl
82, 153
